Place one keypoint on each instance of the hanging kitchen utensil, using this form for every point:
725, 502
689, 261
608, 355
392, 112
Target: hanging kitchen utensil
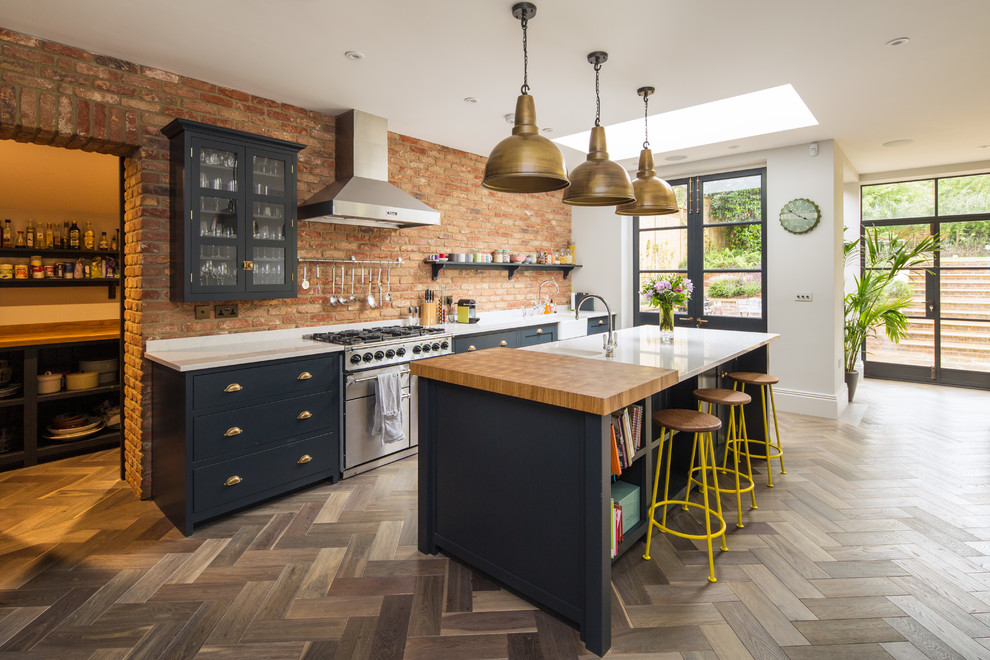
352, 298
370, 299
388, 290
380, 300
333, 285
318, 287
305, 280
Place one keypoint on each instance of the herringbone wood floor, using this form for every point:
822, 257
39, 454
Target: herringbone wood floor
875, 544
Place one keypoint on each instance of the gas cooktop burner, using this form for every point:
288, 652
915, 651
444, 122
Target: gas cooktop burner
371, 335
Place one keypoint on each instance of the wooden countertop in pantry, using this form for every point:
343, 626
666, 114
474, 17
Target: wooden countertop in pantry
594, 386
35, 334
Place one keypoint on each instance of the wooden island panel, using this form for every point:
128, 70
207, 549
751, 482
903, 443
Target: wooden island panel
593, 386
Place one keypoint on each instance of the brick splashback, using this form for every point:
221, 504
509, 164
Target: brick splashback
55, 94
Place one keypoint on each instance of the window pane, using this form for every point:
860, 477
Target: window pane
966, 346
896, 237
733, 247
964, 194
965, 294
917, 349
908, 199
733, 294
644, 302
678, 219
663, 249
733, 200
966, 243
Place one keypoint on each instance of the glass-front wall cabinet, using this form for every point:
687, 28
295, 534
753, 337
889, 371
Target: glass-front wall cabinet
234, 204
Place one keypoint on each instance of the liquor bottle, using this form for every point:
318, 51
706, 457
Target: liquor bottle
113, 241
74, 242
49, 237
89, 237
29, 235
8, 234
65, 235
104, 244
20, 242
56, 236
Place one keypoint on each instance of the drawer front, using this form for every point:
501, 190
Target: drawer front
231, 387
539, 335
487, 340
230, 482
243, 429
597, 324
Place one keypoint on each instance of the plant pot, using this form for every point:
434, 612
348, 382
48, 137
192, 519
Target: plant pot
852, 378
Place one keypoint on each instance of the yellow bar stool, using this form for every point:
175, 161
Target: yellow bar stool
773, 449
743, 481
701, 425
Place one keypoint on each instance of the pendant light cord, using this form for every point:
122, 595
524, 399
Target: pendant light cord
525, 86
646, 121
598, 98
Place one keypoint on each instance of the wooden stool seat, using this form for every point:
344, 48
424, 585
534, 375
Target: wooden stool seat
722, 397
753, 378
687, 421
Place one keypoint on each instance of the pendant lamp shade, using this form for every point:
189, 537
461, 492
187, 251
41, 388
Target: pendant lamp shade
525, 162
598, 181
654, 196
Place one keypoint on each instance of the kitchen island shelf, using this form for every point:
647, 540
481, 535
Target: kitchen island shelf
16, 401
102, 440
438, 266
71, 394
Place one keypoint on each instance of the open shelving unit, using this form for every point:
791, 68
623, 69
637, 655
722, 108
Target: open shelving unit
510, 268
26, 253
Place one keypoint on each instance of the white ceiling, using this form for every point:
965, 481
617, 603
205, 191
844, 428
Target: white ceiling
422, 59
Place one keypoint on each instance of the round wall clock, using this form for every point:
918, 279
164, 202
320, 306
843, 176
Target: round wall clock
800, 216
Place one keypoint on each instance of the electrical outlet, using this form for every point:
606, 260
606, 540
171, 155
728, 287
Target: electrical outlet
228, 311
803, 297
202, 311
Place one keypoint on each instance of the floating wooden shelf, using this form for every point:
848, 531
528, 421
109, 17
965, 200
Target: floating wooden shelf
438, 266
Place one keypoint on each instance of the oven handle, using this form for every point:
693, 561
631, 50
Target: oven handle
352, 379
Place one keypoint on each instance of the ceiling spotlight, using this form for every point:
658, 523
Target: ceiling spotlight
732, 146
897, 143
510, 118
470, 99
354, 55
899, 41
676, 158
546, 130
984, 146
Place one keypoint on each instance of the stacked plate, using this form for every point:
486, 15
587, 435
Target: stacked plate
8, 390
71, 427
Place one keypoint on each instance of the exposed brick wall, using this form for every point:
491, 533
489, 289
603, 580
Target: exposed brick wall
55, 94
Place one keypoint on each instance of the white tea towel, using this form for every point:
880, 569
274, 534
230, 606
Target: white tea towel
388, 409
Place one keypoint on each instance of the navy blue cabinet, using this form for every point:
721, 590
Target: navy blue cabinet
511, 338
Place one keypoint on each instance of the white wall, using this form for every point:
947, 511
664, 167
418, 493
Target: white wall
808, 355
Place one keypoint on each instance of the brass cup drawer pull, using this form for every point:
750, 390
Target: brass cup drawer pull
501, 343
232, 431
472, 348
306, 458
304, 376
233, 481
304, 415
233, 387
601, 322
539, 331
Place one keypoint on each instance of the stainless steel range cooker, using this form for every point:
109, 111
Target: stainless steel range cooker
369, 352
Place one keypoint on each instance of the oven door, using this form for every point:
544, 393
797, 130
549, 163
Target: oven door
359, 416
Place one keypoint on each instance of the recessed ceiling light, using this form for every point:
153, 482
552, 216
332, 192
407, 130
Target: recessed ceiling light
510, 118
757, 113
354, 55
676, 157
732, 146
897, 143
899, 41
470, 99
984, 146
547, 130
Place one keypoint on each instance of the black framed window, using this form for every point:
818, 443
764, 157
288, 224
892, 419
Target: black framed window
717, 239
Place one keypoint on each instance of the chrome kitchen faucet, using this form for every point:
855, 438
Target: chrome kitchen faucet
608, 343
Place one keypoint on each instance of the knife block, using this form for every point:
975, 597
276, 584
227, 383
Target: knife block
428, 313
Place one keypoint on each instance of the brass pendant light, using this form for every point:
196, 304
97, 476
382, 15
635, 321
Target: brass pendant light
598, 181
654, 196
525, 162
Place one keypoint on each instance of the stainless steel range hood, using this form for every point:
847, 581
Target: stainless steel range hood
361, 194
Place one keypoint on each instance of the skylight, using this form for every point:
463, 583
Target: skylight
757, 113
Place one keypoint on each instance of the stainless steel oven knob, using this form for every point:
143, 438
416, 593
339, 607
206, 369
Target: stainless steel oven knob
436, 346
417, 350
367, 357
355, 359
400, 352
390, 354
379, 355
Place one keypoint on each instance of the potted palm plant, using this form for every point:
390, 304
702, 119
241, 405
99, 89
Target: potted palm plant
879, 295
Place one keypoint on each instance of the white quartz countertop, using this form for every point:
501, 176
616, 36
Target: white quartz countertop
691, 352
213, 351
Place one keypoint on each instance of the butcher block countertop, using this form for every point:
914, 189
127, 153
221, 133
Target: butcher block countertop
594, 386
36, 334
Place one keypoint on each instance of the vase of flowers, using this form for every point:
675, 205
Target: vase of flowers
666, 292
